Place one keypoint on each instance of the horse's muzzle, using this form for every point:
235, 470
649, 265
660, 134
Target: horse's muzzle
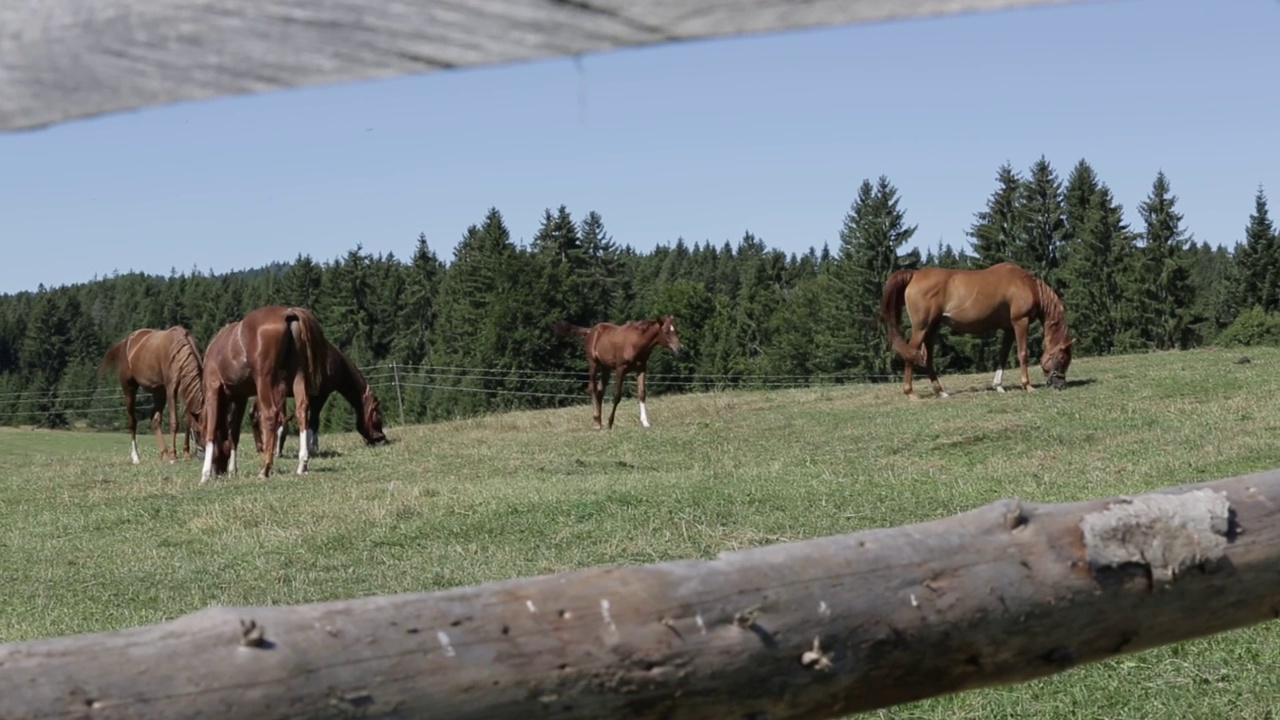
1057, 380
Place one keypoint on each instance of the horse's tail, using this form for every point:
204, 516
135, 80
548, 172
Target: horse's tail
188, 367
312, 344
564, 327
895, 290
114, 355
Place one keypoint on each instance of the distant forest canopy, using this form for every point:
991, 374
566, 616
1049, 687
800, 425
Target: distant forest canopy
475, 335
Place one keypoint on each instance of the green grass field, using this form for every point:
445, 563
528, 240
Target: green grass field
89, 542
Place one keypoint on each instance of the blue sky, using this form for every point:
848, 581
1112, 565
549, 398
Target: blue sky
703, 140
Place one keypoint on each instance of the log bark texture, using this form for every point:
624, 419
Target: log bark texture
64, 59
814, 629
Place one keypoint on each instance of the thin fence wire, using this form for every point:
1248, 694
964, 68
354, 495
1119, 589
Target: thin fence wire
390, 379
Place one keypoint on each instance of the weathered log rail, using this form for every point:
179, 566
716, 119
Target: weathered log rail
814, 629
66, 59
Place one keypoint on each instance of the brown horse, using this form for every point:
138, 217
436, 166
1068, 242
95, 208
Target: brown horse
260, 355
341, 376
167, 363
975, 302
622, 348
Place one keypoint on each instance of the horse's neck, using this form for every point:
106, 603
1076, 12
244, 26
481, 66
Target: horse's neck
1052, 314
348, 384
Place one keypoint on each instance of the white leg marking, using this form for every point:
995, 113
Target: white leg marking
133, 451
207, 470
232, 466
444, 640
280, 441
303, 447
998, 380
644, 416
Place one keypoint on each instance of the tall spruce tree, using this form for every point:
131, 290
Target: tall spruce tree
1094, 274
998, 228
874, 231
1044, 224
601, 276
1258, 259
1170, 294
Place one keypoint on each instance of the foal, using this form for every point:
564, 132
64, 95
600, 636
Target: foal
622, 348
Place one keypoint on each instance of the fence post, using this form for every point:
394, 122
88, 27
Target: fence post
395, 375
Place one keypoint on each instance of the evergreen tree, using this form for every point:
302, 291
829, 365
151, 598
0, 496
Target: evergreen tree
601, 276
1094, 274
1044, 225
874, 230
1170, 294
1259, 259
998, 229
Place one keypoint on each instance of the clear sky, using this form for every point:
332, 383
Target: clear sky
703, 140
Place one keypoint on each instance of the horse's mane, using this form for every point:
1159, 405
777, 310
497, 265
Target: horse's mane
188, 367
1051, 312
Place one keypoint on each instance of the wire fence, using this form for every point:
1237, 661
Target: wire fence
393, 382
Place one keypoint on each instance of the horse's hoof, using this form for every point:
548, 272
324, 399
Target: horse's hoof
943, 394
998, 388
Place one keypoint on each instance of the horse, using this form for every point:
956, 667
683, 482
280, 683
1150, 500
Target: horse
271, 348
975, 302
341, 376
168, 364
622, 348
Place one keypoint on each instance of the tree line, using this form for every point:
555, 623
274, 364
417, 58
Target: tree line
474, 335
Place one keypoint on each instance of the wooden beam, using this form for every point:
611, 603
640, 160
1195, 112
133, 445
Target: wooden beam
65, 59
813, 629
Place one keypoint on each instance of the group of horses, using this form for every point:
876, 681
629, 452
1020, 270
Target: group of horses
271, 353
275, 352
1003, 297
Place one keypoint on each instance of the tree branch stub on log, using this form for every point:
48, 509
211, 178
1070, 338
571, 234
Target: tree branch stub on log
812, 629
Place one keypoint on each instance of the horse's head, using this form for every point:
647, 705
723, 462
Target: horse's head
1054, 361
370, 421
667, 334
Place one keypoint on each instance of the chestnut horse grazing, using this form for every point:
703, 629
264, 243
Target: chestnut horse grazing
622, 348
975, 302
341, 376
167, 363
260, 355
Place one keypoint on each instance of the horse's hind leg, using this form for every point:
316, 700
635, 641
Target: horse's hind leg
301, 405
595, 386
619, 374
1002, 357
235, 420
131, 419
928, 363
925, 330
172, 401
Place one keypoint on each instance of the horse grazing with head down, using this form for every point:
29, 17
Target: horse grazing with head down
268, 350
975, 302
167, 363
343, 377
622, 348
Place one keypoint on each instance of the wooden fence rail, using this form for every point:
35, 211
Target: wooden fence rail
813, 629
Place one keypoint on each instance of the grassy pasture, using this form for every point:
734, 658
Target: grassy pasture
89, 542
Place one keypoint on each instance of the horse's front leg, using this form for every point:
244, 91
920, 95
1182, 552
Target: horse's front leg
157, 420
1002, 357
644, 417
301, 403
1020, 336
172, 401
213, 420
619, 374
